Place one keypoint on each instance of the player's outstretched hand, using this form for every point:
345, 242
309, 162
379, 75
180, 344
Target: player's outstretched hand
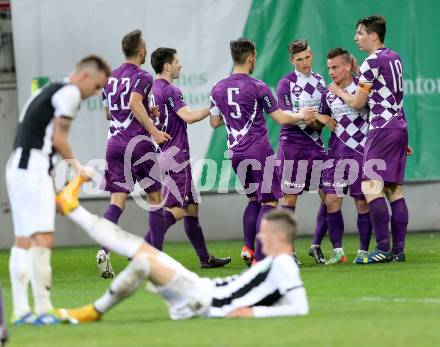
327, 120
160, 137
241, 312
86, 173
307, 113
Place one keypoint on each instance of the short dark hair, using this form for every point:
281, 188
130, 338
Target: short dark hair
131, 43
97, 62
298, 46
160, 57
338, 51
241, 49
286, 222
374, 24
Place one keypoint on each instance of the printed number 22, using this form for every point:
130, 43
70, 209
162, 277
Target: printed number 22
114, 82
231, 102
397, 71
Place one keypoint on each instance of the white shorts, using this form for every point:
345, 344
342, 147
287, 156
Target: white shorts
31, 194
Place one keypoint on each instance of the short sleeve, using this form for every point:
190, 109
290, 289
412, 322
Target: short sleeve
369, 71
174, 98
283, 93
324, 107
143, 83
66, 101
267, 99
214, 110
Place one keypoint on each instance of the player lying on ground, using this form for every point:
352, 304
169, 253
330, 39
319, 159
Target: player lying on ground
271, 288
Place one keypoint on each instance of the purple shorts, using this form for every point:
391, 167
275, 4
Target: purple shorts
385, 155
345, 174
301, 168
258, 174
121, 174
179, 189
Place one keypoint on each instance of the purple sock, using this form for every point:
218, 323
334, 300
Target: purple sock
380, 218
112, 213
159, 222
147, 237
365, 229
194, 232
399, 224
250, 218
263, 210
335, 223
321, 225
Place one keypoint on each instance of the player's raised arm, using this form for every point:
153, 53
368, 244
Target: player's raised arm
358, 100
139, 111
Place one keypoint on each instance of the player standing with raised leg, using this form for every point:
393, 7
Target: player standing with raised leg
381, 85
131, 136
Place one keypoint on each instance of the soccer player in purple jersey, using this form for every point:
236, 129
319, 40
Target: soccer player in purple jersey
181, 198
381, 85
346, 148
239, 101
301, 143
131, 132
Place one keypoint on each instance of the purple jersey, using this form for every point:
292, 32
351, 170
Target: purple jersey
241, 99
169, 98
351, 132
123, 81
383, 70
295, 91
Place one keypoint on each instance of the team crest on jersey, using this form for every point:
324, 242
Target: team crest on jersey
296, 104
297, 91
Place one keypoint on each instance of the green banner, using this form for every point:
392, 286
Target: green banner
272, 24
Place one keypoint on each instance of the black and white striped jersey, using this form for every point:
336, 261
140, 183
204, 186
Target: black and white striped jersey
35, 125
272, 287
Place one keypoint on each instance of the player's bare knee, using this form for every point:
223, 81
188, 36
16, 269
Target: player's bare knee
361, 206
22, 242
154, 198
42, 239
333, 203
177, 212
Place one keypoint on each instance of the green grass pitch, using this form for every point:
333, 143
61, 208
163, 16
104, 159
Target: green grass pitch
396, 304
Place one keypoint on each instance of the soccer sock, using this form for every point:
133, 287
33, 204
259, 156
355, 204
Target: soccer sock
380, 218
41, 279
335, 223
125, 283
19, 264
112, 213
147, 237
365, 229
250, 218
263, 210
106, 233
159, 222
194, 232
321, 225
399, 224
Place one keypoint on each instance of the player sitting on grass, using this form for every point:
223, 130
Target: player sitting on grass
271, 288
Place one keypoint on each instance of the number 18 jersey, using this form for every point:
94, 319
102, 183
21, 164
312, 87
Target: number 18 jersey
241, 99
123, 81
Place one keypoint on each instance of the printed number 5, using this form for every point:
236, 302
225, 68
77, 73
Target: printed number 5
231, 102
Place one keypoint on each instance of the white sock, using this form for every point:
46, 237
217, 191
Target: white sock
107, 233
41, 279
125, 283
338, 250
19, 272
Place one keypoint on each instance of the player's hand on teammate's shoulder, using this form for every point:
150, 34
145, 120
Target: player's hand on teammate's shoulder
241, 312
335, 89
160, 137
327, 120
355, 69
